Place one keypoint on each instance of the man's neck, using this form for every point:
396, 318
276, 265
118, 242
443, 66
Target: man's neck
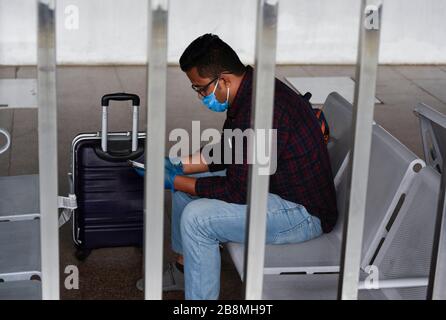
235, 87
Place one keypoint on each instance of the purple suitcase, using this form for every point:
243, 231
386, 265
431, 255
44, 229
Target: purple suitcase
110, 195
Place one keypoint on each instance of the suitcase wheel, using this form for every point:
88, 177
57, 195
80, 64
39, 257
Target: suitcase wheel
82, 254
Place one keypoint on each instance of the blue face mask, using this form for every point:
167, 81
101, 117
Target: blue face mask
213, 104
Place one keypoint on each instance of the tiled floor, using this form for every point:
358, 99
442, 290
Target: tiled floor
112, 273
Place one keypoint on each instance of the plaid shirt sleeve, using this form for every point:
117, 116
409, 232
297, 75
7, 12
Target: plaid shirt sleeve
231, 188
214, 166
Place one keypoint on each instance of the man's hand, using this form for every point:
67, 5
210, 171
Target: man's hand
174, 165
171, 170
140, 172
169, 178
174, 178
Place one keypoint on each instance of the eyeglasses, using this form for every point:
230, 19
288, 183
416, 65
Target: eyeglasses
202, 89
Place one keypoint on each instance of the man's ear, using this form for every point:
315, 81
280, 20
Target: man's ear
226, 80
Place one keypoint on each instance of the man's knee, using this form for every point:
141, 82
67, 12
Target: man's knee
181, 196
195, 215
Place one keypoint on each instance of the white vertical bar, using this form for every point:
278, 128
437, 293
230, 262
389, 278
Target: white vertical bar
367, 65
155, 147
135, 116
437, 277
262, 117
104, 132
47, 129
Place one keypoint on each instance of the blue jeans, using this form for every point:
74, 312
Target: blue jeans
199, 225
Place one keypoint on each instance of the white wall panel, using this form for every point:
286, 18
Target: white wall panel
310, 31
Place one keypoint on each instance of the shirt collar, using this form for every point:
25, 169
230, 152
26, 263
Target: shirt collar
244, 92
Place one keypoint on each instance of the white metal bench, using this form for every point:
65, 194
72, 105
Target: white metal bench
392, 168
20, 250
432, 124
19, 197
21, 290
403, 261
338, 113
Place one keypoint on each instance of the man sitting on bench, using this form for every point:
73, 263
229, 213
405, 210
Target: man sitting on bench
210, 208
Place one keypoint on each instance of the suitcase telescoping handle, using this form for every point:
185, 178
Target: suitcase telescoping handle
120, 97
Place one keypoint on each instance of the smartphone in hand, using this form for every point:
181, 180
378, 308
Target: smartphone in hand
135, 164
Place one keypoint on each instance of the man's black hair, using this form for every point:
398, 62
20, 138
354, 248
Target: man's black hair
211, 56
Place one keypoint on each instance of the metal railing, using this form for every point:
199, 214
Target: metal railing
364, 104
430, 118
437, 277
262, 117
47, 130
155, 142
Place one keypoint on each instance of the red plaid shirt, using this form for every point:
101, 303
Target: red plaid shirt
303, 172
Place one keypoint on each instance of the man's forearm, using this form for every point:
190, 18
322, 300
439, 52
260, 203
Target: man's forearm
185, 184
194, 164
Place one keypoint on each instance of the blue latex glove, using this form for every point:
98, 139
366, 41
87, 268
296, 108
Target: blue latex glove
169, 177
140, 172
170, 166
170, 172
